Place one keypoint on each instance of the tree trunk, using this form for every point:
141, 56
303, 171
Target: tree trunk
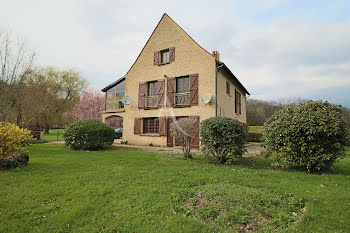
222, 159
47, 128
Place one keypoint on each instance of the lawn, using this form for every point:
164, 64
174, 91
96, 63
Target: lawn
53, 135
131, 191
255, 129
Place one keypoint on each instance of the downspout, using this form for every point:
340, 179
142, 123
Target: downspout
216, 88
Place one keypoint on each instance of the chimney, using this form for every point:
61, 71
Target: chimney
216, 54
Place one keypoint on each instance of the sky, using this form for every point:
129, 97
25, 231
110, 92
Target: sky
278, 49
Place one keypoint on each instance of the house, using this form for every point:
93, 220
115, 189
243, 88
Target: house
168, 80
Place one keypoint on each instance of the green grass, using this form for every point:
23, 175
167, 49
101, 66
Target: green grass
255, 129
131, 191
52, 135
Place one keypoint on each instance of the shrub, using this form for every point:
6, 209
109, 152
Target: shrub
16, 159
223, 138
183, 130
88, 134
12, 138
309, 136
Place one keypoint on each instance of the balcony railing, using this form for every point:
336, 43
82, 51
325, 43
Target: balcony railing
182, 99
151, 101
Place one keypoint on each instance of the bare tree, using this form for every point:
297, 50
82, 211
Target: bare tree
16, 60
258, 111
183, 131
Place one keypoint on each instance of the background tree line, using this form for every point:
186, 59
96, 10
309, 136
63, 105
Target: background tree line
30, 96
258, 111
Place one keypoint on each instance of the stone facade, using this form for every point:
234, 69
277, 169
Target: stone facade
190, 58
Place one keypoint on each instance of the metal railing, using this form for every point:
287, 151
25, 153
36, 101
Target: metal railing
182, 99
151, 101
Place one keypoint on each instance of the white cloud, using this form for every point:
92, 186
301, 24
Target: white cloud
103, 38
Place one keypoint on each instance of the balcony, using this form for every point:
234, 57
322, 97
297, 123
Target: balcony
151, 101
182, 99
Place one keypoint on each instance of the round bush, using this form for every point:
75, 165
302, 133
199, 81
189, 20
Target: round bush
309, 136
223, 138
88, 135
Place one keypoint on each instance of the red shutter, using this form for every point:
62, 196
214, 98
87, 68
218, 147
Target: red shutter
171, 54
195, 139
169, 139
160, 91
137, 125
170, 92
194, 89
142, 90
156, 58
162, 126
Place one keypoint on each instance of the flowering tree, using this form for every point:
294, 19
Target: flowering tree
90, 106
115, 122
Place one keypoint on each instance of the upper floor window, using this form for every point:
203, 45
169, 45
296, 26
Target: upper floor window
228, 88
182, 94
164, 56
114, 97
182, 91
152, 94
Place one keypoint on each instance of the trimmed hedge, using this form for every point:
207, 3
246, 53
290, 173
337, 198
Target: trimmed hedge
223, 138
88, 134
309, 136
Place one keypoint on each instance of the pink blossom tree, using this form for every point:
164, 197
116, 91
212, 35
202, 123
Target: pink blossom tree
90, 106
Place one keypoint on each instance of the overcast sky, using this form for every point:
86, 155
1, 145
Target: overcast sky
276, 48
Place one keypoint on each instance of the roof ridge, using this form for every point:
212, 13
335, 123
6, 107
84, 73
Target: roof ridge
165, 14
187, 33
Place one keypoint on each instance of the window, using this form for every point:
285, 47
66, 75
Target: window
182, 95
152, 92
114, 97
151, 125
228, 91
164, 56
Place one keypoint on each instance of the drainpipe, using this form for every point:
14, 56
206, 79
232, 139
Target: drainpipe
216, 89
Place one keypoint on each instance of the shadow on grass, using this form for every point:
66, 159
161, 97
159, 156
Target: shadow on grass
253, 162
246, 162
260, 162
104, 148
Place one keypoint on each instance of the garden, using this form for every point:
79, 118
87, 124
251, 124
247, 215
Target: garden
300, 184
120, 190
